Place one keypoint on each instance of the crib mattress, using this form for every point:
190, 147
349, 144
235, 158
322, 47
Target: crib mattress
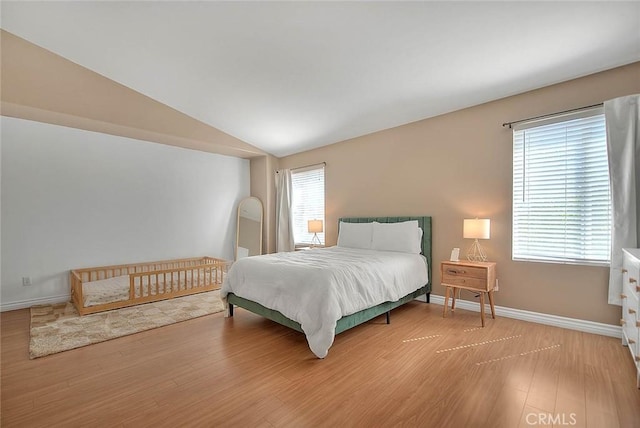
116, 289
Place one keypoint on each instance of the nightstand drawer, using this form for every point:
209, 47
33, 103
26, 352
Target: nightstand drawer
450, 271
465, 281
472, 275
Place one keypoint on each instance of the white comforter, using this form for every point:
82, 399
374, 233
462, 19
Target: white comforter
318, 287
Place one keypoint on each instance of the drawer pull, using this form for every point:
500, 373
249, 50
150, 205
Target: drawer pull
632, 280
623, 296
624, 270
622, 321
631, 341
632, 311
456, 271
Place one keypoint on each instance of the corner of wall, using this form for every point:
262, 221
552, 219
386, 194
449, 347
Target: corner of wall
263, 187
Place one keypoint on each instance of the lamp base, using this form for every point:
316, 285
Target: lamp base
315, 240
476, 253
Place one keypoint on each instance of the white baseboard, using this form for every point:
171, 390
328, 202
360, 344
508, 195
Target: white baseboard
12, 306
520, 314
547, 319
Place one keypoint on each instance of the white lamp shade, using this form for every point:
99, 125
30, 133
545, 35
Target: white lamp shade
477, 228
315, 226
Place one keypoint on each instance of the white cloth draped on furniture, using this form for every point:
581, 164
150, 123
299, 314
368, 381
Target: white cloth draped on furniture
284, 222
622, 116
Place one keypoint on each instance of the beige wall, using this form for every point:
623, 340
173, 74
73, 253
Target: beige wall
263, 187
42, 86
457, 166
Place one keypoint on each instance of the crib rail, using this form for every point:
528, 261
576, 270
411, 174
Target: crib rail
157, 282
153, 281
104, 272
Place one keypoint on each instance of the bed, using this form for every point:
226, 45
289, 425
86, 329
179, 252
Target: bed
106, 288
234, 290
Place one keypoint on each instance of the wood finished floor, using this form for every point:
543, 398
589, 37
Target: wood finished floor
422, 371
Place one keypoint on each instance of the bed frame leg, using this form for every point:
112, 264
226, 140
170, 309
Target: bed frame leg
230, 310
388, 319
428, 297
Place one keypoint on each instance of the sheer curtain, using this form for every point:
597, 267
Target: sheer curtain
623, 146
284, 223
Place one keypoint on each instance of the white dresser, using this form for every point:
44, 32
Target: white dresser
630, 305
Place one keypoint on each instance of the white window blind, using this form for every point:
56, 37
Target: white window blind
561, 199
307, 202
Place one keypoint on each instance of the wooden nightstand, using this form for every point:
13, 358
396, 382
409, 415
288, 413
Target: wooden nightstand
475, 276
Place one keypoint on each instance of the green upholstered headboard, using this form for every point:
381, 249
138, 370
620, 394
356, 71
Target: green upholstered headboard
424, 223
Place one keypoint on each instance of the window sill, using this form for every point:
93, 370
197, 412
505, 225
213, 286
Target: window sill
308, 247
563, 262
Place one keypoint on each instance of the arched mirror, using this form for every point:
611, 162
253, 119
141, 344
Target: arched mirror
249, 235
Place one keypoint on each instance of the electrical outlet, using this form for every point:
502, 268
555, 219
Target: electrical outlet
26, 281
497, 287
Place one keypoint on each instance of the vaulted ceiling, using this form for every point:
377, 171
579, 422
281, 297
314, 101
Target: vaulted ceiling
290, 76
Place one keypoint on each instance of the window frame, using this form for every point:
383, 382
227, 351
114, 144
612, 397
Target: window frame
521, 171
316, 215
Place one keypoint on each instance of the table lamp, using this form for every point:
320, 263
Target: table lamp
315, 227
477, 228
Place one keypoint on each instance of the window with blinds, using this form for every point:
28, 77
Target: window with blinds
561, 197
307, 203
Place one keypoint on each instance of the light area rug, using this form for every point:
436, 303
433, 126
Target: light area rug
56, 328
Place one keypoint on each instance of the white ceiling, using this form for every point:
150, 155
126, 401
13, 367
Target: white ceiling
290, 76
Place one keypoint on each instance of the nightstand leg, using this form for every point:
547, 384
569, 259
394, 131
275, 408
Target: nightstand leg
446, 302
493, 309
482, 307
453, 298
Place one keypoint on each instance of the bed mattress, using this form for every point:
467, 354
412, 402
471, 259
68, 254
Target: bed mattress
318, 287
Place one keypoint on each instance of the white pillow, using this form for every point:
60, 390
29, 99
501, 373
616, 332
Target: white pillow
404, 237
355, 235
